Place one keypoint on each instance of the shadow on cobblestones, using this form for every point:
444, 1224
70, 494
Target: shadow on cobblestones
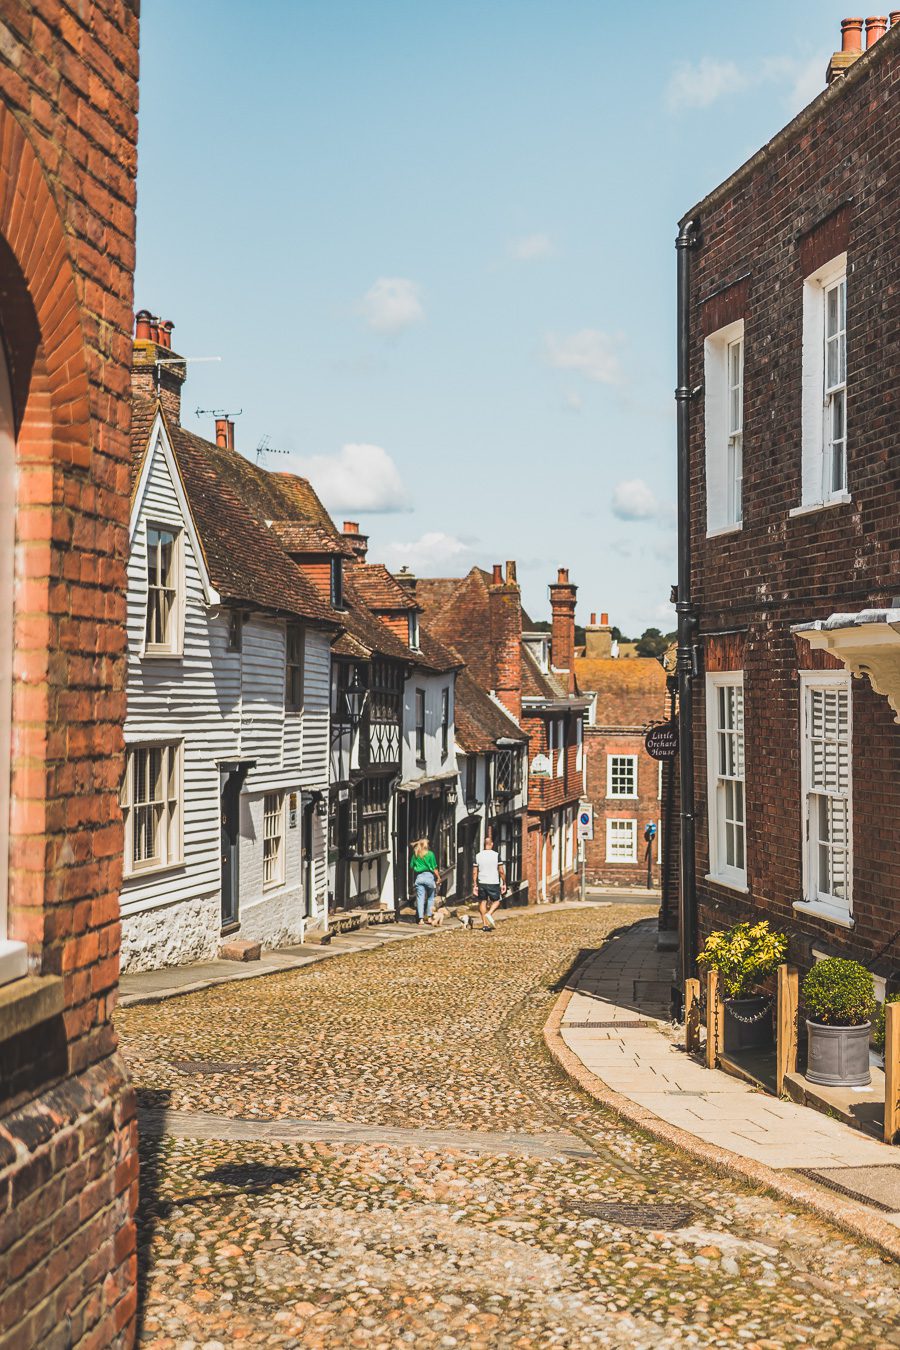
148, 1199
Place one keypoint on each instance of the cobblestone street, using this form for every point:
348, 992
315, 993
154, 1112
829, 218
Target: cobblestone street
436, 1181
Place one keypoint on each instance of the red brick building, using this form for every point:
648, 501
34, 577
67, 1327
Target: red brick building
624, 785
68, 1160
531, 675
794, 310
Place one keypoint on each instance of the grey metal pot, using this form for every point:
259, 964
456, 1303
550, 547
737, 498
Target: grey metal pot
838, 1056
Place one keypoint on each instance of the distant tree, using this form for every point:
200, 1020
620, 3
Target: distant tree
653, 643
618, 635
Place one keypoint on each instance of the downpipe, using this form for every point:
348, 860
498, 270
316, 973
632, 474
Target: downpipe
687, 663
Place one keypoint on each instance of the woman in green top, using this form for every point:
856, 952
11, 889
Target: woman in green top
423, 864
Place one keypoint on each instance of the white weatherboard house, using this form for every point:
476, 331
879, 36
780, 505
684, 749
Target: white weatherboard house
229, 650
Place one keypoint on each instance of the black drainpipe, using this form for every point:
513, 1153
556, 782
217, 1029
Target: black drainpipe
687, 666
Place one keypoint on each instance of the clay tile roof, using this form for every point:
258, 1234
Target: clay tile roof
379, 589
245, 561
433, 593
480, 722
629, 692
143, 412
296, 537
301, 501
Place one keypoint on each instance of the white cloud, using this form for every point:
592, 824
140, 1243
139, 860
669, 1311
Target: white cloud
632, 499
358, 478
701, 83
531, 247
431, 552
392, 304
592, 353
573, 401
697, 85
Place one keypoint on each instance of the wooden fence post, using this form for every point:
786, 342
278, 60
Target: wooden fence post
715, 1020
691, 1015
786, 1025
891, 1071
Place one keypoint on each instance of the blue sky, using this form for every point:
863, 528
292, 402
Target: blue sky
432, 243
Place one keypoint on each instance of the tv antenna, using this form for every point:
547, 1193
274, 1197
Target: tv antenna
265, 447
217, 412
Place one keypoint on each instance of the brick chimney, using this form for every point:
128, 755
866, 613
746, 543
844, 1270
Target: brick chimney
505, 607
358, 543
407, 580
598, 638
851, 50
157, 371
562, 625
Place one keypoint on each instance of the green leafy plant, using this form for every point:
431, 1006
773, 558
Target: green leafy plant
878, 1021
839, 993
744, 956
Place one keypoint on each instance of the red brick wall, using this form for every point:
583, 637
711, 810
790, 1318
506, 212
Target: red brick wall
599, 744
68, 1167
832, 182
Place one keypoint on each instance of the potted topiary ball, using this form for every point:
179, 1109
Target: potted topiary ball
839, 999
745, 956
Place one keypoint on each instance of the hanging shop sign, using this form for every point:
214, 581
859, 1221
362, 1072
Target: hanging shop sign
662, 742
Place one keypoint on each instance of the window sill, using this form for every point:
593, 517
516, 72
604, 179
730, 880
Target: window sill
161, 654
721, 530
13, 961
28, 1002
841, 499
740, 886
819, 910
143, 872
621, 797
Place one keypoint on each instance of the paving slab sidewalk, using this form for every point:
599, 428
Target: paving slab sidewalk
616, 1024
153, 986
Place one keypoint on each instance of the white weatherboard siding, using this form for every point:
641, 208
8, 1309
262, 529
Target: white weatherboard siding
435, 762
222, 706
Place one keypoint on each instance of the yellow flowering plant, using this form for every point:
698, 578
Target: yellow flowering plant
744, 956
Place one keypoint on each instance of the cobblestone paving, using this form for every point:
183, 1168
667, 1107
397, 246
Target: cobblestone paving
331, 1243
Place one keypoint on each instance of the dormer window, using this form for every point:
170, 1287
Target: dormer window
413, 621
337, 583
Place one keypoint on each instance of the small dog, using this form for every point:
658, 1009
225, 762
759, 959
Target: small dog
467, 921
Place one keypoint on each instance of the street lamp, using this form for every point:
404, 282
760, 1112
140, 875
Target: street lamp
355, 695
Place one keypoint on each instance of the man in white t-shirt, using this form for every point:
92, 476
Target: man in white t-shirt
489, 882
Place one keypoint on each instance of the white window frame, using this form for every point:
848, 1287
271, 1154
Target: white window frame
816, 397
174, 641
816, 901
554, 847
720, 870
560, 766
579, 744
169, 828
294, 671
724, 429
13, 955
612, 773
273, 829
614, 853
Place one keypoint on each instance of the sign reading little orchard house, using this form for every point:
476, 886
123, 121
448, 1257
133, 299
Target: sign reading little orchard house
662, 742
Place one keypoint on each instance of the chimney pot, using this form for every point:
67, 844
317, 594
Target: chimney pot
604, 620
154, 329
876, 27
165, 333
497, 577
142, 325
351, 527
895, 16
562, 576
851, 35
511, 574
225, 433
593, 619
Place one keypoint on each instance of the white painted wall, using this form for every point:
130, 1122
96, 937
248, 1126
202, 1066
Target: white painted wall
435, 762
223, 705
